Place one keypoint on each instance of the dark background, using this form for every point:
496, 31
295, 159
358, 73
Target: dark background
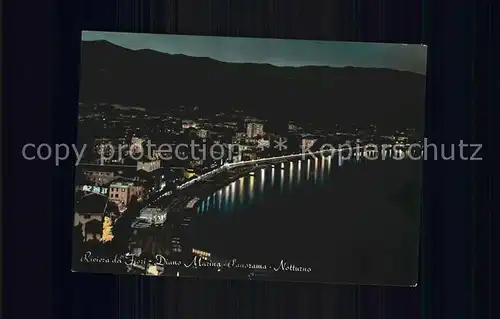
40, 86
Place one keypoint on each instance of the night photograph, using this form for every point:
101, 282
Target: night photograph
249, 158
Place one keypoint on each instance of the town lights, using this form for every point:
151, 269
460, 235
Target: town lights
201, 253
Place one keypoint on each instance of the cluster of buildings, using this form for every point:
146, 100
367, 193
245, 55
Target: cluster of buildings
109, 189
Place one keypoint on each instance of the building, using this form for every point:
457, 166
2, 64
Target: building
189, 124
135, 248
121, 192
202, 133
189, 173
255, 130
307, 143
238, 137
155, 180
144, 242
155, 154
120, 152
136, 141
148, 165
236, 158
93, 230
102, 141
104, 147
89, 214
200, 253
246, 147
153, 216
100, 177
176, 245
196, 163
249, 119
263, 143
137, 146
99, 190
228, 125
248, 156
293, 128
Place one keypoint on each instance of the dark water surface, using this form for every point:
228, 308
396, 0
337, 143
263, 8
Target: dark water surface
351, 222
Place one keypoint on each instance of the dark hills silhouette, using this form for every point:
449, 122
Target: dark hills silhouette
325, 95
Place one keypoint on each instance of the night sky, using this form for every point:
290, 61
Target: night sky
276, 51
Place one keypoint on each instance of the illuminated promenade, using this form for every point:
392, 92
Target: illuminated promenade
187, 195
346, 152
234, 187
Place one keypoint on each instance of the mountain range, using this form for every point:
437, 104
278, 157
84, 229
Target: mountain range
325, 95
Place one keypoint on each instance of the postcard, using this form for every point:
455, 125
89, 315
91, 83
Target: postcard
249, 158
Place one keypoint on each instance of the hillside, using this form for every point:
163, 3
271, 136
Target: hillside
158, 81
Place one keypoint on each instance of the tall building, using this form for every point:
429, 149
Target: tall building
255, 130
121, 192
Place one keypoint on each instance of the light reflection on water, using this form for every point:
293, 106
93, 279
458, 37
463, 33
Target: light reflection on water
266, 182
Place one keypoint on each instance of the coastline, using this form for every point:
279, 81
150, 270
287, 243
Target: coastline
214, 187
